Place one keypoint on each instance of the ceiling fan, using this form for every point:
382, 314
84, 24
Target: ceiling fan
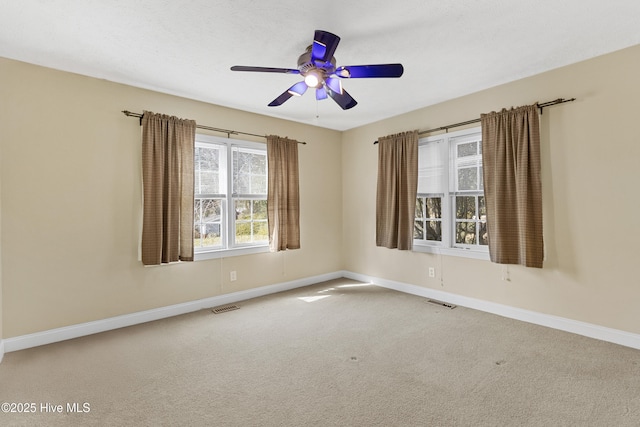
318, 68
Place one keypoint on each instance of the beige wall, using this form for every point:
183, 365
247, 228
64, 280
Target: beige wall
70, 201
591, 172
1, 139
71, 195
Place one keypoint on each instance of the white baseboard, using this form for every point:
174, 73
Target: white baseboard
89, 328
75, 331
602, 333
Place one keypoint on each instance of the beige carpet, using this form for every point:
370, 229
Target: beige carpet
333, 354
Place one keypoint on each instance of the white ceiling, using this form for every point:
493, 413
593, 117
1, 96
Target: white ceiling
185, 48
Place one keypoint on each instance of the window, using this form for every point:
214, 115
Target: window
230, 202
450, 208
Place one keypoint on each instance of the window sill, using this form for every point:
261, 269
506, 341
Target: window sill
463, 253
227, 253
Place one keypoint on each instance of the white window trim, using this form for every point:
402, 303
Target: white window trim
231, 249
447, 247
227, 253
459, 252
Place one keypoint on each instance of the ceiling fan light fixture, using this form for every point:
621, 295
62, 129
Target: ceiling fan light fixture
298, 89
313, 78
335, 85
321, 93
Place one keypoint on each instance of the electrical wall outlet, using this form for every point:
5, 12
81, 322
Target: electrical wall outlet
432, 272
233, 276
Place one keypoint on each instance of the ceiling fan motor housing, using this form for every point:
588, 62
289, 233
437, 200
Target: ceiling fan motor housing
307, 65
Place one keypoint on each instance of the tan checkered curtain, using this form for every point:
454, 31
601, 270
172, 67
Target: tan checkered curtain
283, 194
167, 178
397, 190
512, 187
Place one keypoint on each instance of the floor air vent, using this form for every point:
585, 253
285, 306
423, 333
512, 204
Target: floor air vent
225, 308
441, 303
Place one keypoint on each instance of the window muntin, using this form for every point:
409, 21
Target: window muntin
450, 207
251, 221
230, 201
428, 225
208, 223
210, 188
471, 221
467, 157
468, 191
250, 196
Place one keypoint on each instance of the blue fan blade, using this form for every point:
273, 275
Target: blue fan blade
281, 99
334, 84
344, 100
265, 69
324, 46
365, 71
321, 93
298, 89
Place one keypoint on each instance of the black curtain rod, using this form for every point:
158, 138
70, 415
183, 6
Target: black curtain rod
540, 105
227, 131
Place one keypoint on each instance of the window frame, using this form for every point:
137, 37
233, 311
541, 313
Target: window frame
448, 220
228, 247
